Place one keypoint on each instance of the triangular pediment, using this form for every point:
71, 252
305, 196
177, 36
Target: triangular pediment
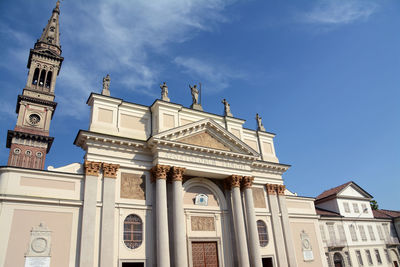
205, 134
353, 191
204, 139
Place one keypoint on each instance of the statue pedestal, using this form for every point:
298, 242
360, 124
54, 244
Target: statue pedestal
196, 107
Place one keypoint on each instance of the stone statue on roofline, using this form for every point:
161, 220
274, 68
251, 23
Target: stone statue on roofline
195, 97
227, 108
106, 85
260, 126
164, 92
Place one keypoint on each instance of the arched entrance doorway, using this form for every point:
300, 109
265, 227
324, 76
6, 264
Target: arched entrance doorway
338, 260
394, 257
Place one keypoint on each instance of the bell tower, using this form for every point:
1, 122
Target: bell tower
29, 142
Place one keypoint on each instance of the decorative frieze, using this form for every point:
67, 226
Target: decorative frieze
234, 180
159, 172
271, 189
110, 170
92, 168
177, 173
247, 181
200, 223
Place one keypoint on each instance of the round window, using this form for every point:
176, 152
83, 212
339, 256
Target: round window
133, 231
39, 154
28, 153
17, 151
34, 119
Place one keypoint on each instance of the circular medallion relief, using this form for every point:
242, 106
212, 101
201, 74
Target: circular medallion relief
306, 244
34, 119
39, 245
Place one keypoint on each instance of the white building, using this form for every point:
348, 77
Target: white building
351, 234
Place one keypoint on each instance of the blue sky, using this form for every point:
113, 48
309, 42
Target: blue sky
323, 74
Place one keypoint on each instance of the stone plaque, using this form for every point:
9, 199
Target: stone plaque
258, 198
306, 246
37, 261
202, 223
133, 186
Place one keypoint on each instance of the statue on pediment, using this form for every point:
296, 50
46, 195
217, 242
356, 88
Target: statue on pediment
227, 108
260, 126
164, 92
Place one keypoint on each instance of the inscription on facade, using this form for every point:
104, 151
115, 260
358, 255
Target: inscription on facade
200, 223
37, 261
133, 186
206, 161
306, 246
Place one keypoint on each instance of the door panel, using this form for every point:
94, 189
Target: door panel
204, 254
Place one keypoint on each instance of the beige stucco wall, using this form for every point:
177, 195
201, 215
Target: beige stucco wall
62, 223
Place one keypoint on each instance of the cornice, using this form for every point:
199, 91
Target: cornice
273, 166
41, 138
84, 136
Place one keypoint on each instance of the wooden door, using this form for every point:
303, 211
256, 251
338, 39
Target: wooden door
204, 254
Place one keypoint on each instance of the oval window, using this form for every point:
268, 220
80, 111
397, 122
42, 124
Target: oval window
262, 233
133, 231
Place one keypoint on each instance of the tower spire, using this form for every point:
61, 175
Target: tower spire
29, 142
50, 37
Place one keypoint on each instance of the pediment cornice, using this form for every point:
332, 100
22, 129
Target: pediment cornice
226, 143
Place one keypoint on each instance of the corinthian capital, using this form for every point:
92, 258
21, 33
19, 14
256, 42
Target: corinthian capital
110, 170
92, 168
271, 188
177, 173
159, 171
234, 180
247, 181
281, 189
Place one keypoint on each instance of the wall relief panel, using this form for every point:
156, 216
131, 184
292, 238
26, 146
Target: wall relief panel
133, 186
200, 223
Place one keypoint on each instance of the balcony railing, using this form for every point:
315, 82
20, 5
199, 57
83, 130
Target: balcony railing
336, 243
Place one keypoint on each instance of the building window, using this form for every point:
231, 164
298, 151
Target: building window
331, 231
353, 232
387, 255
371, 233
322, 229
386, 230
133, 231
369, 257
348, 258
362, 233
28, 153
359, 258
346, 207
364, 208
262, 233
355, 208
342, 235
378, 256
17, 151
380, 233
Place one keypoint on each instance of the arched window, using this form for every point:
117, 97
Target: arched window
262, 233
48, 79
41, 80
133, 231
338, 259
35, 76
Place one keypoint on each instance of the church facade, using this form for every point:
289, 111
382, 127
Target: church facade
160, 185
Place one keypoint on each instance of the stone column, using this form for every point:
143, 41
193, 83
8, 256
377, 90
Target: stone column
159, 173
240, 230
254, 242
276, 226
290, 251
179, 233
107, 215
89, 214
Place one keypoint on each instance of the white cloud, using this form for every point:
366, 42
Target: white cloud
7, 110
217, 77
121, 37
336, 12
